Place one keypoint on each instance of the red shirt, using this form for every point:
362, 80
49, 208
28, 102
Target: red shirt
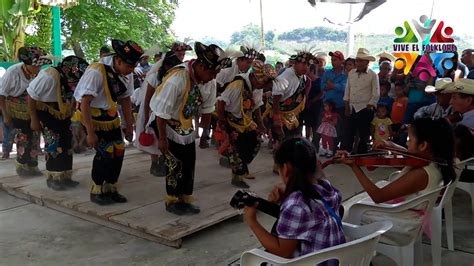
398, 109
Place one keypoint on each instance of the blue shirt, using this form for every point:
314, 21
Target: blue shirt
337, 94
387, 101
470, 75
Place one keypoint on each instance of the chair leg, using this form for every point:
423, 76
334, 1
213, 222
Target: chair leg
403, 256
448, 219
472, 197
408, 255
436, 237
418, 252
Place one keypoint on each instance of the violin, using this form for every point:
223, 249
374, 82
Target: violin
387, 157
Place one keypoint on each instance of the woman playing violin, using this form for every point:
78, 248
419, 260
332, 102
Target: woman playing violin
430, 139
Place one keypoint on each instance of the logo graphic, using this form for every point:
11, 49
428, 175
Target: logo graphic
424, 50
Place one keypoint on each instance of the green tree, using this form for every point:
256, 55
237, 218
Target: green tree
250, 34
15, 16
92, 23
316, 33
41, 28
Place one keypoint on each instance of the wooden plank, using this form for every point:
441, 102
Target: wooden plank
145, 215
214, 204
174, 243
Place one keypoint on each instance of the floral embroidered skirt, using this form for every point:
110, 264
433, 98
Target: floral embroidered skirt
27, 143
243, 149
58, 142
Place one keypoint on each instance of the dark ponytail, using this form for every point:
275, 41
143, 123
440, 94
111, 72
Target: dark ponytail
464, 142
301, 155
440, 138
169, 62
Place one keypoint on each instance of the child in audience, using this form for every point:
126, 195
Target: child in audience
327, 129
384, 98
381, 125
398, 111
308, 218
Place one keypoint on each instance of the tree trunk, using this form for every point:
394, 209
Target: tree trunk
78, 50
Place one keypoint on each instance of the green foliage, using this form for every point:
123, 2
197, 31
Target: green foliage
316, 33
92, 23
42, 29
14, 18
250, 34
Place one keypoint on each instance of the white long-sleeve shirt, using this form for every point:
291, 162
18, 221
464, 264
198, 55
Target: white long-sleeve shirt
362, 89
91, 83
231, 97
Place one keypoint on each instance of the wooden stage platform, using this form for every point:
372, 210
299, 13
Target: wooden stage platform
144, 214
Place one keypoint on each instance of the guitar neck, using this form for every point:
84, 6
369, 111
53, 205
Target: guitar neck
269, 208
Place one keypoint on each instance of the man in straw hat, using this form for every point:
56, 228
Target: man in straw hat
102, 86
237, 107
361, 96
14, 106
462, 101
187, 89
51, 106
441, 107
384, 56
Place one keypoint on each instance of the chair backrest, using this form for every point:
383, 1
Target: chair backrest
357, 210
448, 193
358, 251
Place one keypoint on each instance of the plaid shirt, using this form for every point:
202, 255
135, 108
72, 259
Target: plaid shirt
311, 224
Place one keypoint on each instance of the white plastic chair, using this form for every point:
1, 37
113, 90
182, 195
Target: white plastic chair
358, 251
468, 187
437, 224
402, 255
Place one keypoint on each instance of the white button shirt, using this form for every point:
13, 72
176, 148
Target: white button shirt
227, 75
91, 83
362, 89
286, 84
232, 93
14, 81
166, 104
43, 87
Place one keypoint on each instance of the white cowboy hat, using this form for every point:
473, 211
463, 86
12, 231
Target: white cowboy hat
389, 56
465, 86
364, 54
440, 85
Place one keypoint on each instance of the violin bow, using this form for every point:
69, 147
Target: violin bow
414, 156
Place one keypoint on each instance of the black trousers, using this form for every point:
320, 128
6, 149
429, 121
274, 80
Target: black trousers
27, 142
58, 142
359, 124
108, 158
181, 182
243, 151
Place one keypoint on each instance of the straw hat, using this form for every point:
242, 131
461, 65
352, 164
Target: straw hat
465, 86
364, 54
440, 86
389, 56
